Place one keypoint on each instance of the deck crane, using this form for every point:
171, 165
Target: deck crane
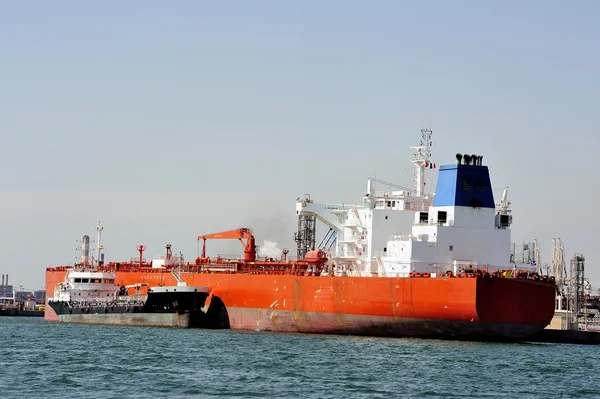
239, 234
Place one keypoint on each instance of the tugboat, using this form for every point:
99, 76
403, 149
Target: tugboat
92, 297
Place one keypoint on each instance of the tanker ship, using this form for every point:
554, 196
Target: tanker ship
401, 263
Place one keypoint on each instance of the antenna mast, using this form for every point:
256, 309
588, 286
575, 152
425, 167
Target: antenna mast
420, 159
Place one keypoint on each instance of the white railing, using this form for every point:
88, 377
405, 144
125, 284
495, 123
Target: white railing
387, 194
437, 223
350, 254
402, 237
338, 207
228, 257
219, 267
352, 238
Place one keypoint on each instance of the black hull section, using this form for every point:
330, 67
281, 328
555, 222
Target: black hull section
164, 309
21, 312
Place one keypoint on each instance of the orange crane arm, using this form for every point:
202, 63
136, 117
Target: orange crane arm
239, 234
231, 234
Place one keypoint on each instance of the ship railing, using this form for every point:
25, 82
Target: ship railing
392, 274
409, 194
435, 223
402, 237
352, 238
229, 257
350, 254
338, 207
276, 259
521, 260
397, 196
137, 260
112, 302
225, 267
236, 258
175, 261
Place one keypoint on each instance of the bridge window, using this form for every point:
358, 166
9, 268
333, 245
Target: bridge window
442, 217
85, 280
78, 280
450, 247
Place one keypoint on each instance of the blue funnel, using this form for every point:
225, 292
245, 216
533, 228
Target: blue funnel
464, 185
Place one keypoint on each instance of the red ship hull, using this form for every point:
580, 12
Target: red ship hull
442, 307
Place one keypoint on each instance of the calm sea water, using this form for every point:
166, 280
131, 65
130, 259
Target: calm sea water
46, 360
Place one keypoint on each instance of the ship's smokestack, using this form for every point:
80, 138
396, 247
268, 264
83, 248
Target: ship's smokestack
85, 249
6, 283
3, 279
99, 246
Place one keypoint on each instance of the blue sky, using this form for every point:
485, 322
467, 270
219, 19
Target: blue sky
166, 120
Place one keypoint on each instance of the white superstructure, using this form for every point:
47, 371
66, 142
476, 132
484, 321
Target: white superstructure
463, 229
396, 233
87, 286
362, 231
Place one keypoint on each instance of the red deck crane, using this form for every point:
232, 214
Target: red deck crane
239, 234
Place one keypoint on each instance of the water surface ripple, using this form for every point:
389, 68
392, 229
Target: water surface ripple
47, 360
